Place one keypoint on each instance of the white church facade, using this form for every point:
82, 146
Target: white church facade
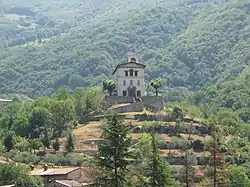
130, 77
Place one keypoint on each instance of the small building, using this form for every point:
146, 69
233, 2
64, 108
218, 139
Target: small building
67, 183
130, 77
71, 183
57, 177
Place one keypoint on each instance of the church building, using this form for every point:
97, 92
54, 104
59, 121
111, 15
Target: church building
130, 77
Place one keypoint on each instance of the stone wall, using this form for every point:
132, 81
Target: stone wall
113, 100
181, 161
132, 107
153, 102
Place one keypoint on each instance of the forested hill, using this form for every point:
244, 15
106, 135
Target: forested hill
76, 43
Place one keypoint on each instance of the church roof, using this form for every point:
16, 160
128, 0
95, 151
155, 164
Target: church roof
129, 65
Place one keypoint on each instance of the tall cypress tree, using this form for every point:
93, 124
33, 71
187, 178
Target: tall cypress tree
113, 154
159, 172
70, 145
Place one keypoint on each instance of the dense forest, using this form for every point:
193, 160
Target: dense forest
188, 43
197, 49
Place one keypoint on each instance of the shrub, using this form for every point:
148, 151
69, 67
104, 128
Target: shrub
74, 159
198, 145
51, 158
177, 114
24, 157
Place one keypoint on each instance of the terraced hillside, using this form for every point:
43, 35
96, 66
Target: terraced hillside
173, 135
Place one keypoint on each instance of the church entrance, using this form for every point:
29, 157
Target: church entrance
132, 91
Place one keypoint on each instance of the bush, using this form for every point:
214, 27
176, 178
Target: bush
71, 159
18, 174
23, 157
26, 157
74, 159
198, 145
51, 158
177, 114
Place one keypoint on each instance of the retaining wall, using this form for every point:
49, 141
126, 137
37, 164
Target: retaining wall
133, 107
113, 100
153, 102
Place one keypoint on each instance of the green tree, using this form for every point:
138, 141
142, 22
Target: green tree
151, 169
46, 138
177, 114
70, 144
190, 162
156, 84
62, 93
9, 142
237, 176
109, 85
56, 144
40, 120
88, 101
18, 174
36, 144
113, 153
63, 116
159, 172
21, 144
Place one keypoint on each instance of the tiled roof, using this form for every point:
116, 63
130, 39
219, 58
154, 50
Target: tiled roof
52, 171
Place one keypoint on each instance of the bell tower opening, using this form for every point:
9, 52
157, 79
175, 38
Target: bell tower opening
133, 58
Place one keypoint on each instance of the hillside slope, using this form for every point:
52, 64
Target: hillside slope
186, 42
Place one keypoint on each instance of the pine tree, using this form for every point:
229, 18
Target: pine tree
70, 145
190, 161
159, 172
113, 154
46, 138
150, 169
9, 142
56, 145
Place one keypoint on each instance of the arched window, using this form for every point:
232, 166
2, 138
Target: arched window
133, 60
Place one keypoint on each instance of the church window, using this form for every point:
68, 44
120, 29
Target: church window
138, 93
124, 93
126, 73
131, 72
138, 83
131, 82
124, 82
136, 73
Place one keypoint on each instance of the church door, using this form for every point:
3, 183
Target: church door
132, 91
